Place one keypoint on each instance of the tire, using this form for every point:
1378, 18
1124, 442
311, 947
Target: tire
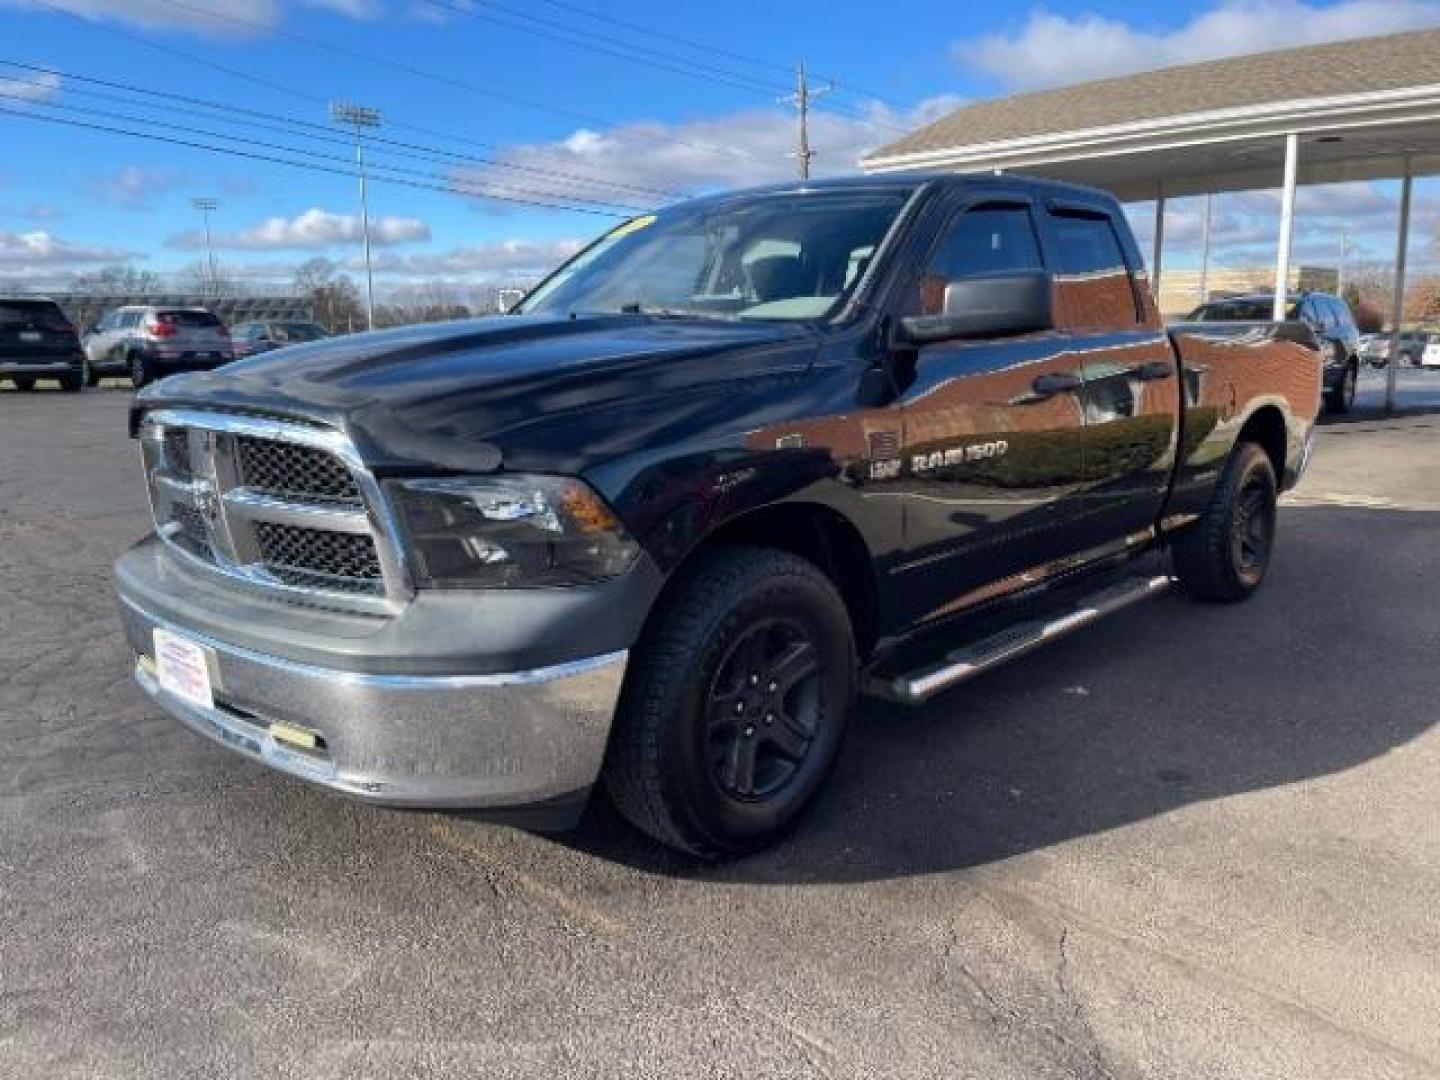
1342, 399
24, 383
1223, 556
140, 373
76, 381
735, 704
92, 377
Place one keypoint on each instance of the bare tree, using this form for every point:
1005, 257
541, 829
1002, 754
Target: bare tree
118, 281
333, 298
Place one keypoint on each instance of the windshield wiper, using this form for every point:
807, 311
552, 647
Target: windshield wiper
635, 307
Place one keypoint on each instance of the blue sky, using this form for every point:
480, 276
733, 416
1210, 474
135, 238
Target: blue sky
502, 81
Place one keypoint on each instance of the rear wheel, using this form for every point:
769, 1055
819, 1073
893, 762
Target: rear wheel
1224, 556
92, 377
140, 373
735, 704
25, 383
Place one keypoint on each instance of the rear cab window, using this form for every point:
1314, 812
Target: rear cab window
1095, 286
187, 318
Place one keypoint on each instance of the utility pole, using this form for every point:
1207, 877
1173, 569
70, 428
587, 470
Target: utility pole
358, 117
205, 206
801, 100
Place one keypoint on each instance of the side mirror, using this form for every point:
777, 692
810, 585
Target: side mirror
994, 306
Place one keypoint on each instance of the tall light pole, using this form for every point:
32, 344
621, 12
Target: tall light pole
358, 117
205, 206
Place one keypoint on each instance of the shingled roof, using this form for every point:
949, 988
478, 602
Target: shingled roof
1344, 68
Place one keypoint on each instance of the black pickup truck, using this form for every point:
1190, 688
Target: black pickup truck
733, 464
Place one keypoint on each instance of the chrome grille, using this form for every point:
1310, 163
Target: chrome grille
177, 452
315, 551
293, 471
279, 504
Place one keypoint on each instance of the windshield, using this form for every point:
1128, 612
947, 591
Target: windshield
783, 256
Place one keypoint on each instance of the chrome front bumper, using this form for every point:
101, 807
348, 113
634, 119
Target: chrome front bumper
497, 741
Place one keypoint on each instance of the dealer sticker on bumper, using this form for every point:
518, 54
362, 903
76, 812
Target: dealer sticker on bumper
182, 668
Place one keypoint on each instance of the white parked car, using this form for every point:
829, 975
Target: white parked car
1431, 356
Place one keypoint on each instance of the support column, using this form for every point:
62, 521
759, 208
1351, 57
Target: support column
1287, 227
1158, 251
1205, 250
1397, 309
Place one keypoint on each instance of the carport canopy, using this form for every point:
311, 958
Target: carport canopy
1367, 109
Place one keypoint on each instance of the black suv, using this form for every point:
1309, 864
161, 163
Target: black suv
38, 342
1326, 314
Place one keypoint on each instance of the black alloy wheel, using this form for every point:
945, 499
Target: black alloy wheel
1252, 529
764, 709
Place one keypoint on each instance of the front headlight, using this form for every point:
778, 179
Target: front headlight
509, 532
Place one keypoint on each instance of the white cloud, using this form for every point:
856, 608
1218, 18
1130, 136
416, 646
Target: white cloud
313, 230
157, 15
504, 259
42, 86
667, 161
21, 252
355, 9
1053, 50
1245, 226
132, 186
209, 18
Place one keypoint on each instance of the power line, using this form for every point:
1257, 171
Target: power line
434, 76
709, 47
548, 28
309, 165
494, 11
450, 185
258, 120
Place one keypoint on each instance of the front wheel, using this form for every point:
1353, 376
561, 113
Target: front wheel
24, 383
75, 381
1342, 399
735, 704
1223, 556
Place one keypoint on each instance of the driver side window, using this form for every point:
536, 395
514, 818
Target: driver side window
984, 240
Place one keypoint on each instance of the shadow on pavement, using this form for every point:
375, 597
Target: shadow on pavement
1168, 704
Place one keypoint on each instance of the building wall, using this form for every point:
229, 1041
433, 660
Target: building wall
1180, 289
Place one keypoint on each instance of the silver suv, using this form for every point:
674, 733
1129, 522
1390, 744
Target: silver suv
149, 342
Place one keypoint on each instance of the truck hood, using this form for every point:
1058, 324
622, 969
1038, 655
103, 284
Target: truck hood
462, 395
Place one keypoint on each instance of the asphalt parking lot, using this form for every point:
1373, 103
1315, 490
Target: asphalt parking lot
1189, 842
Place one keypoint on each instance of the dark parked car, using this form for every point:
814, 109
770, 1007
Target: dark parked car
253, 338
147, 342
1328, 316
38, 342
733, 462
1375, 348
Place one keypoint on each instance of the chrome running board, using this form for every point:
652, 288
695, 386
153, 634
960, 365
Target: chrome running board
918, 686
